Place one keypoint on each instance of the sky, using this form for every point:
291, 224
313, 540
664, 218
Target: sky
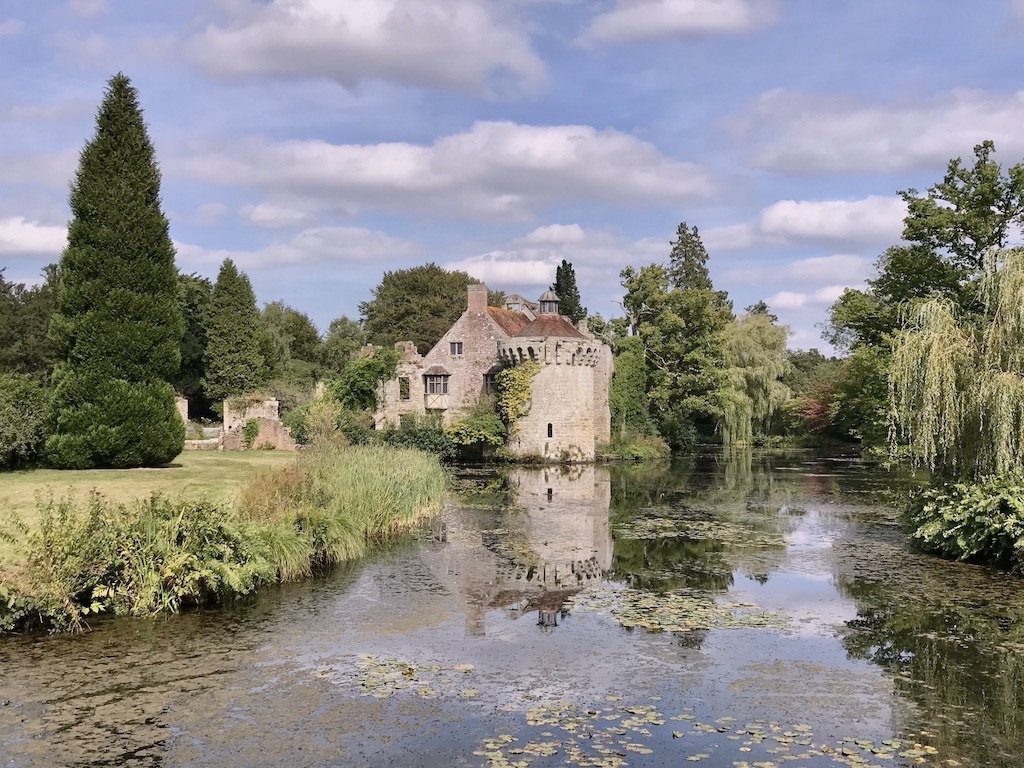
320, 143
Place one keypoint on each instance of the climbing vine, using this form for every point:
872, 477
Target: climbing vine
250, 432
514, 391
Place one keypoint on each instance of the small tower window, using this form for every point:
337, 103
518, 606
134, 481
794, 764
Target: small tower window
551, 430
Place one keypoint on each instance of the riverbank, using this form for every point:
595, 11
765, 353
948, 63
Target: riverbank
76, 558
214, 475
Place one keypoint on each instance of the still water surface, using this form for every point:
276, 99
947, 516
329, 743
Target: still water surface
721, 611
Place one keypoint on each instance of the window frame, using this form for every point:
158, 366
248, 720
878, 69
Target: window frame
436, 384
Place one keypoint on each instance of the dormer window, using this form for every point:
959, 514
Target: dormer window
548, 303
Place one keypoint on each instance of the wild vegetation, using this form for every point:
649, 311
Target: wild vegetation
168, 553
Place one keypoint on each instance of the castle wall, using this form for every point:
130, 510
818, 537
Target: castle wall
560, 423
602, 406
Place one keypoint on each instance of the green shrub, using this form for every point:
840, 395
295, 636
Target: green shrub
636, 447
99, 421
139, 559
479, 431
250, 432
425, 434
981, 521
356, 386
23, 406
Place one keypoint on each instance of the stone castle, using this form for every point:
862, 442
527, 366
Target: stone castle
568, 416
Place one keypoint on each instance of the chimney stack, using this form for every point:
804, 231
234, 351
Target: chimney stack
476, 298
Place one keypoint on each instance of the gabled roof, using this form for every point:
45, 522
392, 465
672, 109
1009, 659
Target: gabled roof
510, 321
550, 325
436, 370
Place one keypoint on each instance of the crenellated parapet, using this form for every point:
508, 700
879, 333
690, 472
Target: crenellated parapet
549, 351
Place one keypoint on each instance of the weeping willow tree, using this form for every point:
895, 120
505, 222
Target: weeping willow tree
956, 386
756, 360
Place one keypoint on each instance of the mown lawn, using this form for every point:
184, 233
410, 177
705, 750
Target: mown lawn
207, 474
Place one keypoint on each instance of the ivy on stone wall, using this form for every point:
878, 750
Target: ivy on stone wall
515, 392
251, 432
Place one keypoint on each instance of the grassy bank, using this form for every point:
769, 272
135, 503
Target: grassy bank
211, 475
78, 558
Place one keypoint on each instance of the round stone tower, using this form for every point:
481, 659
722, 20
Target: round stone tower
560, 422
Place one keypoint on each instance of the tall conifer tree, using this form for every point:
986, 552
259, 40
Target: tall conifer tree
568, 293
117, 327
235, 362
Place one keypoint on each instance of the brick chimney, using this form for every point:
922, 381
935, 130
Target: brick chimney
476, 298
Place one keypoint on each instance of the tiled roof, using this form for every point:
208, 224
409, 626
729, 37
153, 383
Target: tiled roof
436, 370
510, 321
550, 325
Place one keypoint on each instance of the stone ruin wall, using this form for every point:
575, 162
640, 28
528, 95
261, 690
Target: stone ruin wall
181, 403
235, 416
272, 433
480, 338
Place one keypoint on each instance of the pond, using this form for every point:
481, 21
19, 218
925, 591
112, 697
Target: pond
724, 610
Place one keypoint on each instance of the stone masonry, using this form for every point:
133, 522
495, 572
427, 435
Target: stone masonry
569, 413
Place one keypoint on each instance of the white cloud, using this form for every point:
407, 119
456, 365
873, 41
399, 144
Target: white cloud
793, 300
318, 245
635, 20
11, 27
556, 234
272, 216
88, 8
850, 269
530, 260
818, 134
19, 236
495, 169
468, 45
499, 268
870, 220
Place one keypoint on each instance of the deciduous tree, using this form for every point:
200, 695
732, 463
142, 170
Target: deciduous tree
418, 304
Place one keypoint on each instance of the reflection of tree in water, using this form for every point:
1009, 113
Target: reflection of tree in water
670, 563
953, 637
712, 514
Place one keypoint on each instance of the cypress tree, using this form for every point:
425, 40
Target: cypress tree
568, 294
235, 362
117, 327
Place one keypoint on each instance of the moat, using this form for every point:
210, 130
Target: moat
726, 610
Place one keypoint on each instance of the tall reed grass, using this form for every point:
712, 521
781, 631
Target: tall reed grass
164, 555
335, 502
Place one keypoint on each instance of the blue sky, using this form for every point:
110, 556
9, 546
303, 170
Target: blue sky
322, 142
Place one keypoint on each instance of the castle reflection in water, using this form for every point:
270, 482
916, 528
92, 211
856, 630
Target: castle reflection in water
550, 540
